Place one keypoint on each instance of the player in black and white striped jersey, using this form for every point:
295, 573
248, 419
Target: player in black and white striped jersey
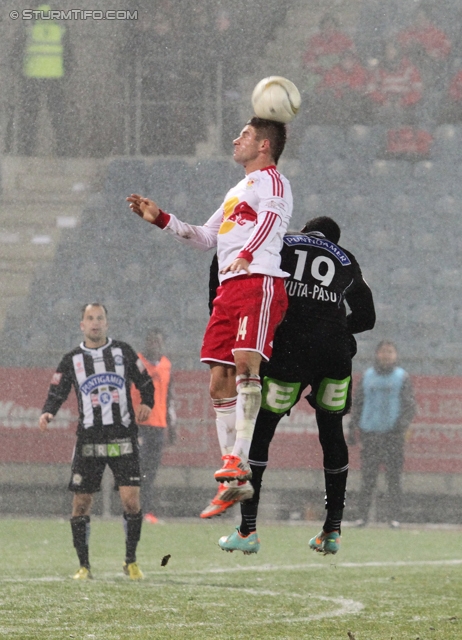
101, 370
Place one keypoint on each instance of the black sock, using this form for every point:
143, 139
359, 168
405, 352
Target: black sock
132, 526
333, 520
335, 457
249, 519
80, 526
249, 508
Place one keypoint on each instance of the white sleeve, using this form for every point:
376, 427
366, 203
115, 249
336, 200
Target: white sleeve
268, 224
274, 211
200, 237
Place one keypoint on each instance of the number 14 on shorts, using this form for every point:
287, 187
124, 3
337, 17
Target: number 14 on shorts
242, 328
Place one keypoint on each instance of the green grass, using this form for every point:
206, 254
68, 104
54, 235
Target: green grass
383, 584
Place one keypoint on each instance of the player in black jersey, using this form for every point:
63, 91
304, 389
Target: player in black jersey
101, 371
314, 345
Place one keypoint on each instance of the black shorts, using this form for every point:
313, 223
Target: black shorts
90, 460
321, 359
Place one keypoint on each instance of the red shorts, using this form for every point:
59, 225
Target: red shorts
246, 312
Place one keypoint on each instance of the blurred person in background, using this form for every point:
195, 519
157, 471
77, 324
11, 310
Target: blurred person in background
395, 89
395, 86
383, 409
324, 50
102, 370
340, 97
451, 104
44, 53
160, 425
429, 48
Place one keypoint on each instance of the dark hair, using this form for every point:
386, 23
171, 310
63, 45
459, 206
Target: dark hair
328, 17
328, 227
275, 132
426, 8
155, 331
93, 304
385, 343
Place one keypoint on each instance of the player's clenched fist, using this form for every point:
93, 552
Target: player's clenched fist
143, 207
44, 419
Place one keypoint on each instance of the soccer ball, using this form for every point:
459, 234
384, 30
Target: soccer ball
276, 98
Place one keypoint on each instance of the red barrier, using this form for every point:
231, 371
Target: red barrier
434, 442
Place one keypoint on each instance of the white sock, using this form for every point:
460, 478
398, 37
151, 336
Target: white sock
247, 408
225, 411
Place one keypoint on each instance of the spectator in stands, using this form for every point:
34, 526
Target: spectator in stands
455, 87
451, 105
383, 409
395, 88
428, 47
340, 96
324, 50
160, 422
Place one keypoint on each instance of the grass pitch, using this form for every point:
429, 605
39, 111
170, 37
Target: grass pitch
382, 585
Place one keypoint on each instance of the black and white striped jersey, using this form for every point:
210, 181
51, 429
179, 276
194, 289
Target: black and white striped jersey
102, 379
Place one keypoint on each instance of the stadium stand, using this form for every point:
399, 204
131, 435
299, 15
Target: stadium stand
396, 216
397, 223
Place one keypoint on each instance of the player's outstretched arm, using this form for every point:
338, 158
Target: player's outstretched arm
143, 207
44, 419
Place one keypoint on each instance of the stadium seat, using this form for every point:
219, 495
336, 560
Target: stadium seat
125, 176
311, 179
403, 205
448, 143
317, 204
216, 175
361, 219
438, 178
323, 143
448, 207
365, 142
450, 355
168, 183
387, 178
450, 280
210, 180
348, 174
426, 314
405, 276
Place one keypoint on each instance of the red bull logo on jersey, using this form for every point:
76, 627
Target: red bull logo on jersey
236, 212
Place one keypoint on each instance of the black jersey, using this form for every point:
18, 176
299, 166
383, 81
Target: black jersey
101, 378
323, 276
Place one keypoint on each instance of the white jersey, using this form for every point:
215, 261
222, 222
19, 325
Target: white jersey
250, 224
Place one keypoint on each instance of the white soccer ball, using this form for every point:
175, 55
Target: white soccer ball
276, 98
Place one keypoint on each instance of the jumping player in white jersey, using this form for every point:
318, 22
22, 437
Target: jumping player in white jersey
247, 232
